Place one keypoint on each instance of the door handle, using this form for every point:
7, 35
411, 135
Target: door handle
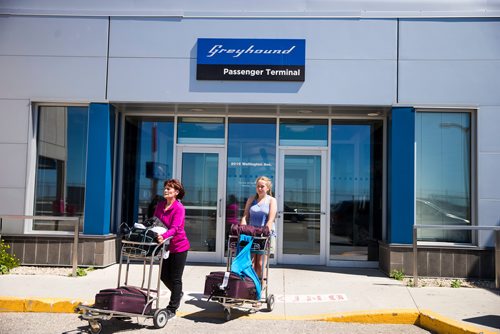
220, 207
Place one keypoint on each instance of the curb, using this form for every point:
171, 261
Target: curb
47, 305
425, 319
437, 323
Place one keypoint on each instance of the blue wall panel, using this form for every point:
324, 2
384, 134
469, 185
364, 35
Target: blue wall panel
402, 171
99, 165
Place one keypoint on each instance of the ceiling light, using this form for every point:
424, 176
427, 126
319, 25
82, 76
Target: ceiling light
374, 114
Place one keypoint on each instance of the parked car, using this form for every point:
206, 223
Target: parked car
292, 215
432, 213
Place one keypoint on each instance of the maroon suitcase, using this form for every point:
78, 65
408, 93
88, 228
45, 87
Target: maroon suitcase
123, 299
237, 287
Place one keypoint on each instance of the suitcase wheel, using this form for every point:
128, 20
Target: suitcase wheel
95, 326
270, 303
160, 318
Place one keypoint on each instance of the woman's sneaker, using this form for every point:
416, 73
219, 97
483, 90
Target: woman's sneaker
170, 315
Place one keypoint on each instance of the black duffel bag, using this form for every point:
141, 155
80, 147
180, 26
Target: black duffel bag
153, 221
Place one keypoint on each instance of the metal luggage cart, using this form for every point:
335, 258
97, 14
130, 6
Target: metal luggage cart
136, 251
260, 245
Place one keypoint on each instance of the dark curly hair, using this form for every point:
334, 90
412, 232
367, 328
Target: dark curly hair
177, 185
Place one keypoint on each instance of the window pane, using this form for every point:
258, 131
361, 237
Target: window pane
251, 152
200, 180
303, 132
302, 204
200, 130
443, 174
148, 158
356, 191
61, 167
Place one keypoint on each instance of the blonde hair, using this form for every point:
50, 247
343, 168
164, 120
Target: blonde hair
269, 185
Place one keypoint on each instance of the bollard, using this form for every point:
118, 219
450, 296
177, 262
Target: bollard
75, 248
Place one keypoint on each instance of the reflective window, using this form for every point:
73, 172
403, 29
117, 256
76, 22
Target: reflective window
302, 204
200, 130
148, 156
200, 181
356, 191
303, 132
61, 165
443, 174
251, 152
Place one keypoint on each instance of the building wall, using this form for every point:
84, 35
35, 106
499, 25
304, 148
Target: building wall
53, 58
14, 133
456, 62
440, 62
42, 59
449, 62
348, 61
487, 171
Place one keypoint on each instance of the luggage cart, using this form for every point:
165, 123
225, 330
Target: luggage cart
138, 251
260, 245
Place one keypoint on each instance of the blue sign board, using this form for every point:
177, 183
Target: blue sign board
251, 59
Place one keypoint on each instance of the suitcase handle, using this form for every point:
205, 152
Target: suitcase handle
220, 287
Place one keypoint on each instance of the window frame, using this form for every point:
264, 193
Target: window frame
473, 175
32, 165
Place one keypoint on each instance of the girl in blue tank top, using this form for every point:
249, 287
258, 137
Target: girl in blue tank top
260, 211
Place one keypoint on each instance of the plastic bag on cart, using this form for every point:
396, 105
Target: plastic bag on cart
242, 263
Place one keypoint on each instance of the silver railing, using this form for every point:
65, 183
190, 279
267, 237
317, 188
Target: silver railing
74, 220
458, 227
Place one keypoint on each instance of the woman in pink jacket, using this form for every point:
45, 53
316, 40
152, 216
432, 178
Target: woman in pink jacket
172, 213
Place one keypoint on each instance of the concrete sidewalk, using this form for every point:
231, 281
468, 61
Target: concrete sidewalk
305, 293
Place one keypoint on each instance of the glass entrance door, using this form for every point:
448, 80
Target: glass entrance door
302, 207
201, 171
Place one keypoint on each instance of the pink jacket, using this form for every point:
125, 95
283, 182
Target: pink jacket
173, 218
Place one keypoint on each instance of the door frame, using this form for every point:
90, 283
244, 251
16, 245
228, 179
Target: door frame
320, 259
218, 255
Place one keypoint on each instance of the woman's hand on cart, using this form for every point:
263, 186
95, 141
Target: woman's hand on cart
160, 239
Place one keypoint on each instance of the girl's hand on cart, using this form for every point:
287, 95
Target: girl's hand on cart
159, 238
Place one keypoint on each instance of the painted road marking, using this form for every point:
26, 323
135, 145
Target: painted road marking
297, 299
327, 298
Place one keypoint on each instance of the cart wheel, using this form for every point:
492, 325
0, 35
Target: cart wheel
270, 303
227, 314
95, 327
160, 318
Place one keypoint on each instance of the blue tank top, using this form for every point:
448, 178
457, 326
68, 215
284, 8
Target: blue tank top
259, 213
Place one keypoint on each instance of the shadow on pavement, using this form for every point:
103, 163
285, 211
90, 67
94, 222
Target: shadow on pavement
369, 272
115, 326
486, 320
212, 311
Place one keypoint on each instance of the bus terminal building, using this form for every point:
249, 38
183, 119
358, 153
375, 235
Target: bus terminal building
368, 116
